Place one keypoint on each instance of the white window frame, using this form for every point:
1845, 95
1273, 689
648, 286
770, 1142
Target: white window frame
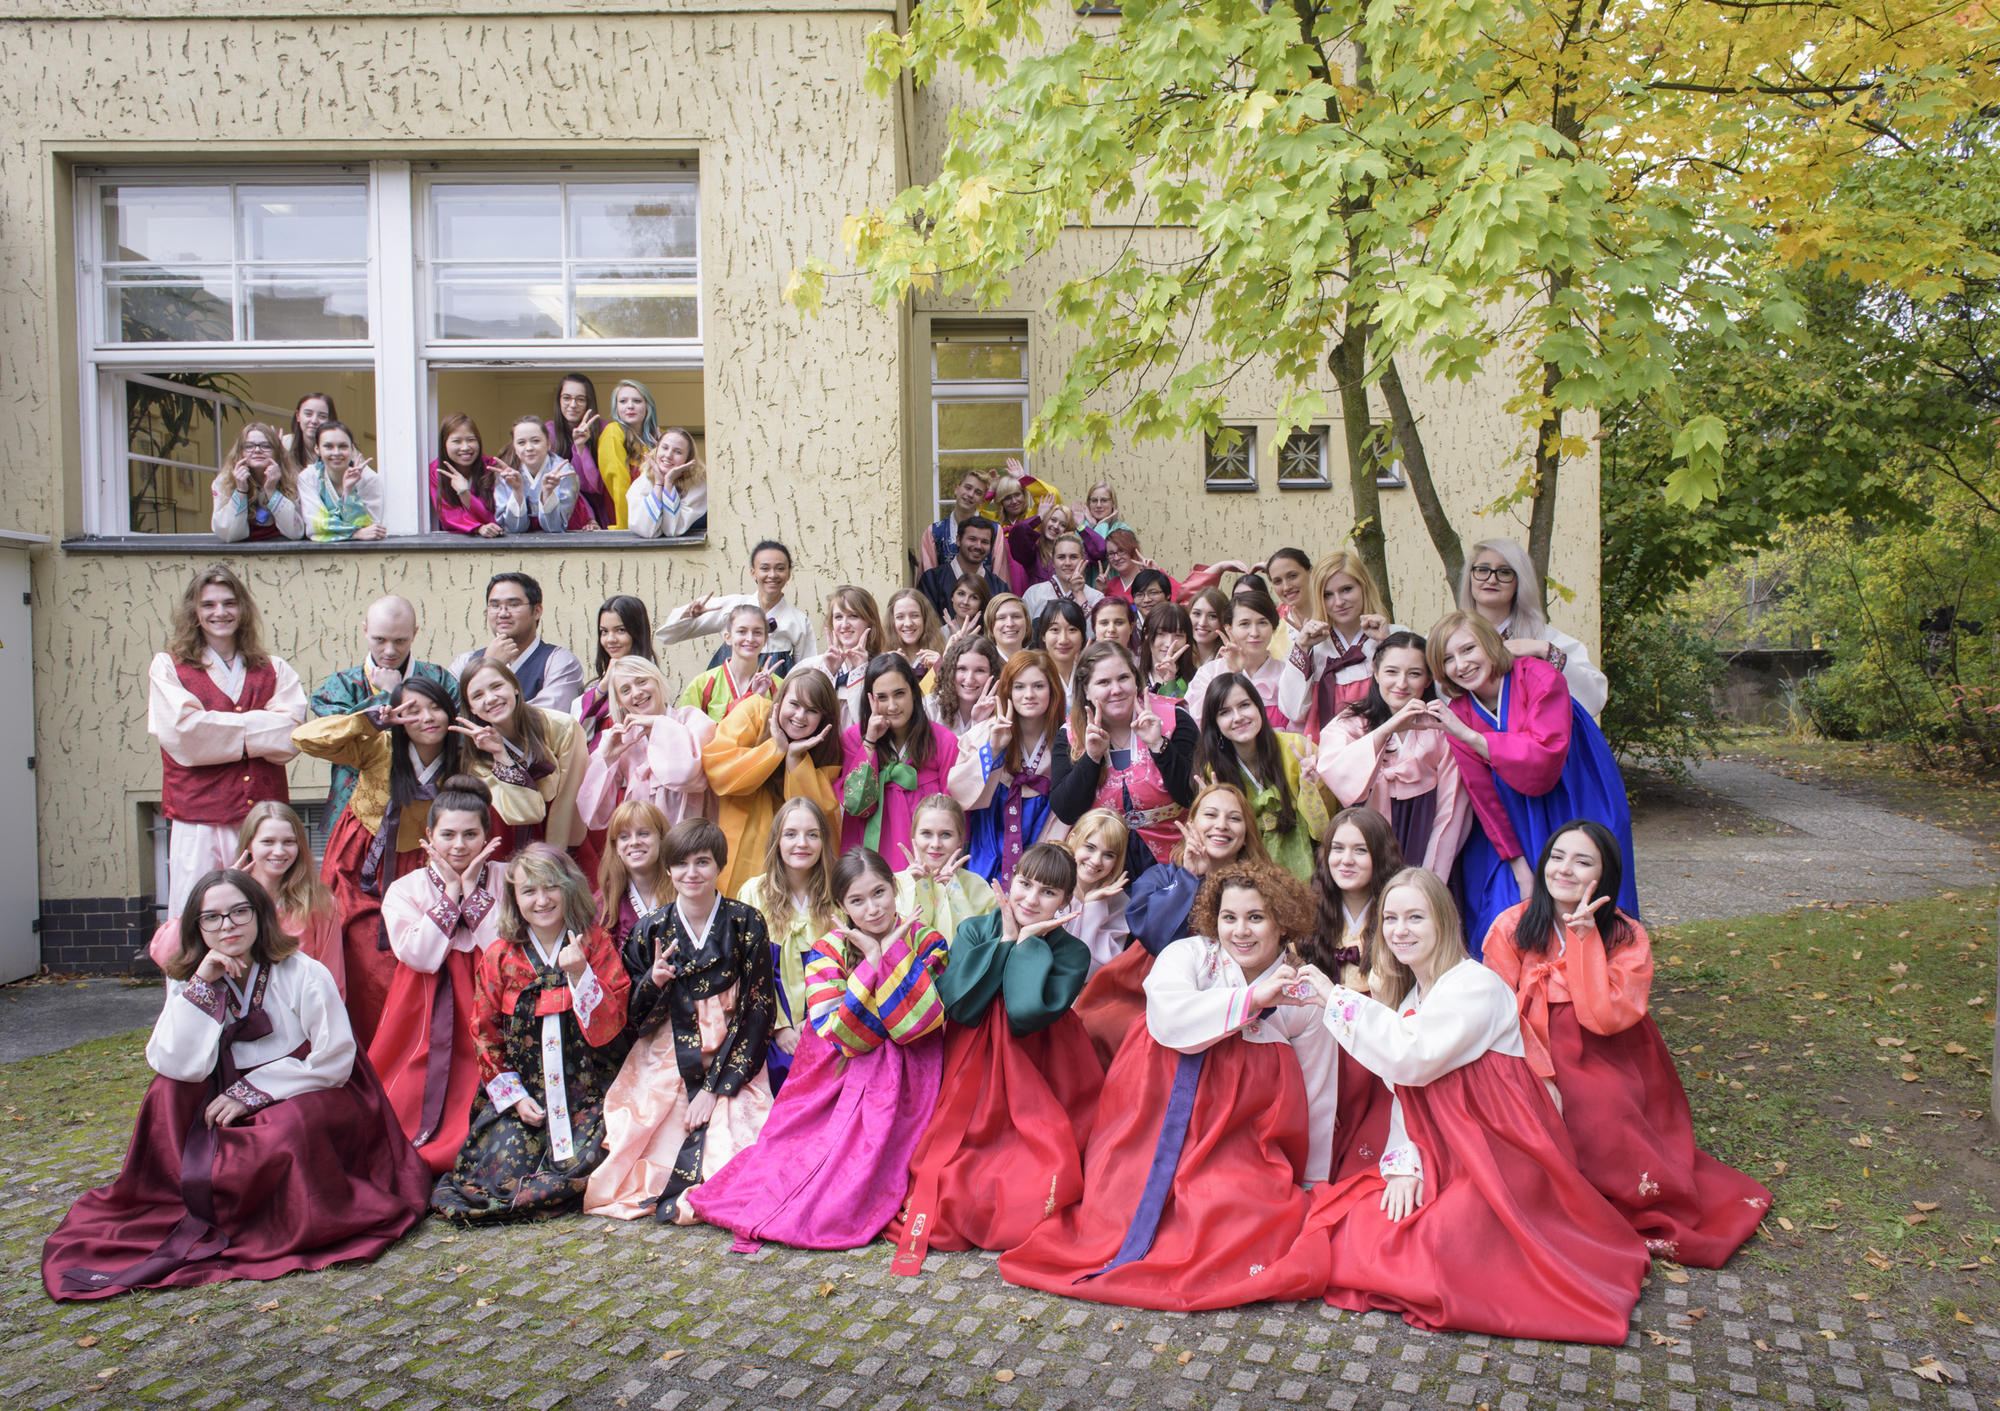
1247, 443
400, 352
1322, 479
981, 390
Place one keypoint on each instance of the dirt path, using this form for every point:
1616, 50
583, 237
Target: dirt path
1746, 841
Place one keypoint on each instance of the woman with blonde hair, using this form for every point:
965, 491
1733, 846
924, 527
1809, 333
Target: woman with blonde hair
256, 492
1326, 669
854, 635
1499, 583
651, 750
273, 847
223, 710
669, 500
625, 442
796, 895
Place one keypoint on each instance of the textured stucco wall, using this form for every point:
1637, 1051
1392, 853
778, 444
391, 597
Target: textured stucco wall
803, 422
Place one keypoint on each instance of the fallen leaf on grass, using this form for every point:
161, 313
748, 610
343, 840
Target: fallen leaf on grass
1930, 1369
1778, 1168
1828, 1334
478, 1303
267, 1307
1859, 1297
1960, 1315
1786, 1225
1889, 1043
1763, 1346
1003, 1375
1861, 1140
1185, 1358
1114, 1327
825, 1289
1925, 1205
1662, 1340
1675, 1276
90, 1341
1909, 1077
672, 1355
1878, 1259
1695, 1315
113, 1371
1956, 1048
1916, 1217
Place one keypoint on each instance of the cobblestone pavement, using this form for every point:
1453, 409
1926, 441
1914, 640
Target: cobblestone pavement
588, 1313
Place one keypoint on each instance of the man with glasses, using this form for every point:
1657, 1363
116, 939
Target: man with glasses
390, 626
551, 677
257, 493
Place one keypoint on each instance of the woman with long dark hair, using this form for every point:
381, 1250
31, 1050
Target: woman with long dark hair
573, 438
1272, 768
623, 629
893, 757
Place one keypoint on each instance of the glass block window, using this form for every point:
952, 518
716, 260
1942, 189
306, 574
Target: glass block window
1231, 460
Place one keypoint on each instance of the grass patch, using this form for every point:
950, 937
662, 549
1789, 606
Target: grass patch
1841, 1054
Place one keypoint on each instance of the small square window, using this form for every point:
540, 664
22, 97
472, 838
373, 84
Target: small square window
1386, 456
1302, 461
1232, 460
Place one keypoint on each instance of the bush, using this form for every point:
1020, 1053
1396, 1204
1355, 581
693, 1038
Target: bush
1664, 675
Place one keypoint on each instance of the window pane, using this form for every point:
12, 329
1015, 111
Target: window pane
632, 222
982, 425
168, 310
1232, 467
506, 303
168, 224
632, 303
497, 222
300, 223
300, 305
1302, 459
971, 362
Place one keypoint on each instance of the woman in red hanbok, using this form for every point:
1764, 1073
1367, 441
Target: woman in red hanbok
1019, 1094
1207, 1123
1582, 975
439, 919
1478, 1219
264, 1144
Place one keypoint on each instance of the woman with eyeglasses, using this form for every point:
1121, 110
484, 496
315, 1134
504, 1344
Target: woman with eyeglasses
1499, 583
257, 491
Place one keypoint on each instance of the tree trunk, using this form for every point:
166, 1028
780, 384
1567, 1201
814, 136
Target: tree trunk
1347, 360
1548, 461
1417, 466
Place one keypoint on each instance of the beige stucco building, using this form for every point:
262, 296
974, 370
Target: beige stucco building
438, 205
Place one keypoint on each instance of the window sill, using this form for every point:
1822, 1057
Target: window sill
395, 543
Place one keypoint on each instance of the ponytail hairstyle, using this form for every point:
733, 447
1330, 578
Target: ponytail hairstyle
1215, 753
1385, 858
1543, 918
404, 787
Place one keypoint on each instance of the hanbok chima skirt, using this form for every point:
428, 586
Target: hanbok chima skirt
1191, 1185
1005, 1148
1628, 1116
1113, 1001
830, 1169
313, 1180
369, 965
1510, 1241
424, 1051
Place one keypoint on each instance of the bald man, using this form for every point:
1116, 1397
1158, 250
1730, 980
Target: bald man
390, 625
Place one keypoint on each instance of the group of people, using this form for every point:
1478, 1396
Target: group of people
570, 470
1190, 945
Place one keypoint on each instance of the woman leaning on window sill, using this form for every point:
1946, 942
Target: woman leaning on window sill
341, 492
256, 492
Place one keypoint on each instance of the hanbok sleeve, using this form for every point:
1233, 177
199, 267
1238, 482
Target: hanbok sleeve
1043, 976
1475, 776
1073, 781
740, 757
906, 1000
1609, 992
674, 750
187, 1037
1350, 754
972, 979
1295, 683
489, 1036
1451, 818
975, 776
1204, 677
1161, 900
1531, 753
602, 787
747, 1044
328, 1061
419, 926
354, 740
860, 780
1457, 1023
197, 737
1180, 1013
1104, 930
1400, 1156
1501, 955
600, 995
840, 1003
230, 521
563, 826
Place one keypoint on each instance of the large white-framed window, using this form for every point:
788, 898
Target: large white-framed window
979, 401
208, 300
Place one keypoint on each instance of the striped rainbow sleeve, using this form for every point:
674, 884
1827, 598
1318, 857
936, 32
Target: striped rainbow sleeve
838, 1005
906, 1000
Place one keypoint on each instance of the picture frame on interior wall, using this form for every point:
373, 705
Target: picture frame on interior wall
1230, 461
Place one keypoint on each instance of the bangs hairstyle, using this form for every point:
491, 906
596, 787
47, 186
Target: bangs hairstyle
950, 709
1004, 489
614, 878
857, 602
1285, 896
480, 476
1543, 918
1385, 857
1371, 708
187, 644
1253, 836
992, 616
1389, 980
695, 835
929, 639
1257, 600
1093, 657
855, 864
822, 905
1215, 754
815, 692
521, 725
1528, 620
463, 793
949, 807
1149, 578
271, 945
982, 592
563, 437
633, 617
300, 893
1066, 609
1101, 826
1348, 562
1483, 632
635, 668
1124, 540
1026, 660
405, 788
918, 741
539, 864
1049, 865
1169, 616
